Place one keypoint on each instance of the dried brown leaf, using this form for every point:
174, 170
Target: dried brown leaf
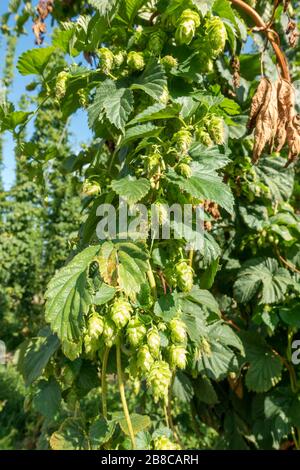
258, 101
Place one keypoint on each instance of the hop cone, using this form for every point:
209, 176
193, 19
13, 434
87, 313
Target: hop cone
153, 340
120, 312
177, 356
156, 42
106, 59
183, 140
169, 62
215, 127
95, 326
109, 332
203, 137
61, 84
216, 35
163, 443
184, 276
187, 24
178, 331
135, 61
144, 358
159, 379
136, 331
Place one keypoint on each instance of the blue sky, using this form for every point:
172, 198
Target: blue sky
79, 128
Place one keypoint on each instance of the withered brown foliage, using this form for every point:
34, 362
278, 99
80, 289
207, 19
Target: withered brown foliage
44, 8
292, 33
274, 119
235, 65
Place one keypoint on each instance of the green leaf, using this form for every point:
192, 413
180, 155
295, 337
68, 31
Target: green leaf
204, 390
34, 355
103, 6
139, 132
130, 8
103, 91
101, 431
152, 81
34, 61
104, 294
131, 188
265, 366
156, 111
139, 423
291, 315
206, 184
118, 107
68, 299
263, 278
47, 398
124, 264
208, 277
182, 387
280, 183
70, 436
166, 307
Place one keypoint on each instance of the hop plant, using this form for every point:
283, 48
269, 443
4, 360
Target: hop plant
144, 359
215, 128
135, 331
178, 331
135, 61
91, 345
106, 60
163, 443
159, 379
61, 84
177, 356
184, 276
156, 42
203, 136
169, 62
95, 325
187, 24
109, 332
182, 139
83, 97
120, 312
216, 35
90, 188
153, 341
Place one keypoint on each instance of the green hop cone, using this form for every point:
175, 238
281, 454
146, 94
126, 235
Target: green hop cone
178, 331
169, 62
163, 443
95, 326
182, 140
91, 345
135, 61
161, 210
110, 332
106, 60
164, 97
177, 356
159, 379
120, 312
156, 42
135, 331
216, 35
187, 24
144, 359
184, 170
83, 97
119, 58
61, 84
203, 136
215, 126
153, 340
90, 188
184, 276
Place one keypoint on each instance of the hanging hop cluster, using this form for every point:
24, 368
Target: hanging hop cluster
159, 379
215, 36
178, 336
211, 130
184, 276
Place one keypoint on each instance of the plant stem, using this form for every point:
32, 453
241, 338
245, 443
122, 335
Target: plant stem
191, 256
122, 394
104, 383
152, 281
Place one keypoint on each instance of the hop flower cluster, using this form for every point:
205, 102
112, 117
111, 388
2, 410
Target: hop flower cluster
187, 24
